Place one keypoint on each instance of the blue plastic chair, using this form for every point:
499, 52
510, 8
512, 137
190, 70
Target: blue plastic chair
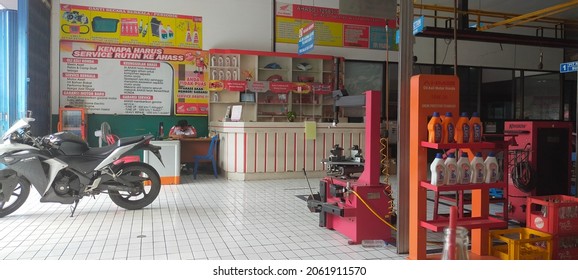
209, 156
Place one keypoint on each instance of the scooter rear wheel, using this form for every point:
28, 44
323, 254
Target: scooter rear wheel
148, 183
17, 198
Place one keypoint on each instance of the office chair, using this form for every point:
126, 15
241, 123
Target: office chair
209, 156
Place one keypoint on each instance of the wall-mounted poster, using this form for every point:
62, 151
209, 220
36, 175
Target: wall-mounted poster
120, 26
133, 80
332, 28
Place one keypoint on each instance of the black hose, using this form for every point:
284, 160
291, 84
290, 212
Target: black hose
522, 177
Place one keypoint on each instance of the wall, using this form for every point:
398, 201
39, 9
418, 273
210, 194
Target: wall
248, 24
226, 24
10, 4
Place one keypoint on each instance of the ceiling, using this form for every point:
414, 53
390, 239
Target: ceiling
510, 6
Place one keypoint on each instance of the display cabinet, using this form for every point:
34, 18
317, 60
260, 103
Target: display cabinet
72, 120
225, 67
270, 85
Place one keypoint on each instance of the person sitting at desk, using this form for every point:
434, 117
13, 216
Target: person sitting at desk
182, 128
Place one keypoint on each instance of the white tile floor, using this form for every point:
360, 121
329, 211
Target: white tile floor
203, 219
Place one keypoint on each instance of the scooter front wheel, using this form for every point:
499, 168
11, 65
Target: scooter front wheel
145, 181
17, 198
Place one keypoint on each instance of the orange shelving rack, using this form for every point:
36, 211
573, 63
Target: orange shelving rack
440, 93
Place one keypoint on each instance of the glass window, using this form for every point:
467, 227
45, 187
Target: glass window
13, 64
8, 68
496, 96
570, 97
469, 88
542, 99
361, 76
519, 94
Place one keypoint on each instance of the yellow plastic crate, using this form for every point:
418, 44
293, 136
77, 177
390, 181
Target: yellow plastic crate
520, 244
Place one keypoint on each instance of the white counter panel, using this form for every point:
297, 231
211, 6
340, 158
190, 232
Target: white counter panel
171, 155
265, 150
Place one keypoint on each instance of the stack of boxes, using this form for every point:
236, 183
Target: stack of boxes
556, 215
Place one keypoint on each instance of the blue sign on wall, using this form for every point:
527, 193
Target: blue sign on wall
569, 67
306, 39
418, 25
306, 43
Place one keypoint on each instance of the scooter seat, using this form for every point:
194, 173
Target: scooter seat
100, 152
129, 140
106, 150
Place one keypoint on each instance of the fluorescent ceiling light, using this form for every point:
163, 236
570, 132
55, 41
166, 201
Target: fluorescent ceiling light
2, 7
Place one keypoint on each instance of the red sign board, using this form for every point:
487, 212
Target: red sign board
258, 86
236, 85
280, 87
192, 108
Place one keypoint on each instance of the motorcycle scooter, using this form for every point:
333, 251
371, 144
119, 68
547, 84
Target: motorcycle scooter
64, 169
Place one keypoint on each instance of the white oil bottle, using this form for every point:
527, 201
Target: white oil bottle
492, 171
478, 169
451, 169
438, 171
464, 170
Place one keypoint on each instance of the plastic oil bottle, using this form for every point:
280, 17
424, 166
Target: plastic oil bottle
195, 34
438, 171
476, 128
451, 169
463, 131
145, 30
492, 171
163, 34
478, 169
435, 129
464, 170
161, 131
170, 32
188, 37
448, 128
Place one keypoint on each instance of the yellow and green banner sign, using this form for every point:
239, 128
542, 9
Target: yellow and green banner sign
120, 26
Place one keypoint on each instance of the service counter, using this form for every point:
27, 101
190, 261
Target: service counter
276, 150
